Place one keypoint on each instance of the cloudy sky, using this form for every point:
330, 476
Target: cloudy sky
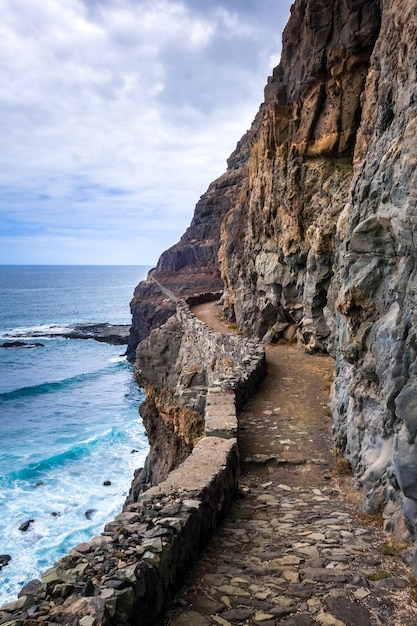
115, 116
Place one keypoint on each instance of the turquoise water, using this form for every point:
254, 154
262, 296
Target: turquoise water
68, 414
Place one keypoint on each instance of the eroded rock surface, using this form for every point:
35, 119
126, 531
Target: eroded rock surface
374, 400
190, 267
300, 173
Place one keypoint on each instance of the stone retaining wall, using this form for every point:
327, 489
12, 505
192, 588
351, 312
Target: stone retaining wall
129, 573
231, 362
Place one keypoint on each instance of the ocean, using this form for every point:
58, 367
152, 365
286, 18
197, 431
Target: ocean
69, 417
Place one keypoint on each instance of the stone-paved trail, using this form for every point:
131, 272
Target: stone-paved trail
294, 549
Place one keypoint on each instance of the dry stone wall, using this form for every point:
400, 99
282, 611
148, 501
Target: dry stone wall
230, 362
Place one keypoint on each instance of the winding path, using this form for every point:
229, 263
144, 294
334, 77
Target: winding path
294, 550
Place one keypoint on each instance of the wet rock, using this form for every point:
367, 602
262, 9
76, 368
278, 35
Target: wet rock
20, 344
25, 526
89, 513
31, 587
116, 335
4, 560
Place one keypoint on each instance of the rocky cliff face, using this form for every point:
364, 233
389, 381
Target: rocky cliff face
300, 171
314, 227
190, 267
173, 425
375, 396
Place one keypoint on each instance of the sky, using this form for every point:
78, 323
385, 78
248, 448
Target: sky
115, 116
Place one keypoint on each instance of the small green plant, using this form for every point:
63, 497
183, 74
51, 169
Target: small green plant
342, 466
272, 330
373, 519
380, 574
412, 586
392, 548
235, 328
327, 384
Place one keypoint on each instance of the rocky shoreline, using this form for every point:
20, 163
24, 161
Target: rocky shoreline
115, 334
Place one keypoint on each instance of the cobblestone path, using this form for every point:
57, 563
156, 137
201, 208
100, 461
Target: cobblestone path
294, 549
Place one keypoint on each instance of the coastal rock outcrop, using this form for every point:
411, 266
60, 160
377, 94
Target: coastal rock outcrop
314, 224
115, 334
183, 367
4, 560
190, 268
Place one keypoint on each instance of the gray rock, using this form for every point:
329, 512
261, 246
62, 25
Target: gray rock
4, 560
299, 620
406, 408
391, 583
405, 464
238, 615
190, 618
349, 612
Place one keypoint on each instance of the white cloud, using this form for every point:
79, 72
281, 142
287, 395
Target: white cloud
116, 115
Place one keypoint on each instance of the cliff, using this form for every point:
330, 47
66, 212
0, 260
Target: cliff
375, 395
300, 171
190, 268
310, 231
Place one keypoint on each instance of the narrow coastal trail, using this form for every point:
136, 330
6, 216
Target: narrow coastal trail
294, 549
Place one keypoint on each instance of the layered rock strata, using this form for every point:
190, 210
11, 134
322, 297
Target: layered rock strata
300, 170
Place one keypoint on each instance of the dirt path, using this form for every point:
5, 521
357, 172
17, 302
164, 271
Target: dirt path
209, 313
294, 549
